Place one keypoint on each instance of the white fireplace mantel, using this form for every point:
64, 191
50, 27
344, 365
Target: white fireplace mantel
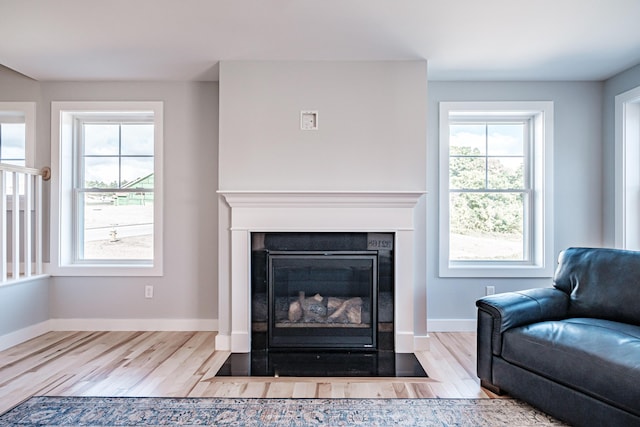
312, 211
406, 199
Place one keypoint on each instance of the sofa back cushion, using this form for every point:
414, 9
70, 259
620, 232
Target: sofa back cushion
601, 283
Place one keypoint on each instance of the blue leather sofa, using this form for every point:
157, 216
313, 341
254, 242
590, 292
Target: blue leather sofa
572, 350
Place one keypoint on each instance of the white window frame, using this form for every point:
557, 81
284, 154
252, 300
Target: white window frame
63, 160
541, 261
627, 172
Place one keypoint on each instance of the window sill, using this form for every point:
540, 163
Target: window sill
476, 270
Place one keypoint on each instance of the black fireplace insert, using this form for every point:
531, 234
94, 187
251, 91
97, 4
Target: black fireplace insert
322, 299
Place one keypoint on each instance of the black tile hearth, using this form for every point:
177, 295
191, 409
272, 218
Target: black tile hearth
263, 363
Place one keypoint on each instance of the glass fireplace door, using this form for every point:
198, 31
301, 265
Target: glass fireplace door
322, 299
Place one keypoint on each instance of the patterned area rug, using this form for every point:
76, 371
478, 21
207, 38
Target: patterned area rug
131, 411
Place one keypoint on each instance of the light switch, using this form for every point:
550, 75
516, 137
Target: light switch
308, 120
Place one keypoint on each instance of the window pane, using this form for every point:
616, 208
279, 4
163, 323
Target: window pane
505, 139
137, 139
486, 226
136, 171
467, 172
101, 172
506, 173
101, 139
467, 139
12, 141
117, 226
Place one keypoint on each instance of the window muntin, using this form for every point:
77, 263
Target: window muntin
489, 190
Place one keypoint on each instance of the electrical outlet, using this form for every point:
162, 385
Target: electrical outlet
148, 291
489, 290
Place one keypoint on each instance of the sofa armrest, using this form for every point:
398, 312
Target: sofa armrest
513, 309
497, 313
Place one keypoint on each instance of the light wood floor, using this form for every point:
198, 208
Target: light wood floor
184, 364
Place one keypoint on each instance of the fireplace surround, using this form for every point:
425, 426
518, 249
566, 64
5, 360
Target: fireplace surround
247, 212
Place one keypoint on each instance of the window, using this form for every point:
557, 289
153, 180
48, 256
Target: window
110, 157
12, 142
17, 129
627, 174
17, 136
495, 209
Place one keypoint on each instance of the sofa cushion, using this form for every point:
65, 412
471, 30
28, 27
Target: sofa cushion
601, 282
598, 357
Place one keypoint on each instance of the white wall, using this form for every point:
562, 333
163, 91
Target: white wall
371, 136
578, 191
188, 289
371, 125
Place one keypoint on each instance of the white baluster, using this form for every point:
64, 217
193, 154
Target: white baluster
38, 226
3, 226
15, 227
27, 224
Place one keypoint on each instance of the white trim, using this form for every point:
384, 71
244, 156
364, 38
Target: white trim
328, 199
23, 279
451, 325
25, 334
11, 339
134, 324
627, 175
61, 204
222, 341
543, 258
421, 343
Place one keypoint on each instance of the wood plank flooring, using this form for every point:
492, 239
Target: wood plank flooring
184, 364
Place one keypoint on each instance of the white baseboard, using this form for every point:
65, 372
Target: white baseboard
223, 342
134, 324
24, 334
420, 342
451, 325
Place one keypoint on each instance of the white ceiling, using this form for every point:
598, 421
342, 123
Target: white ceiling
185, 39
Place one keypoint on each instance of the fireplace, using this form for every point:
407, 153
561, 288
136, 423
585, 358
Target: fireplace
322, 290
248, 213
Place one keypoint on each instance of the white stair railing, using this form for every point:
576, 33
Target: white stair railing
21, 231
